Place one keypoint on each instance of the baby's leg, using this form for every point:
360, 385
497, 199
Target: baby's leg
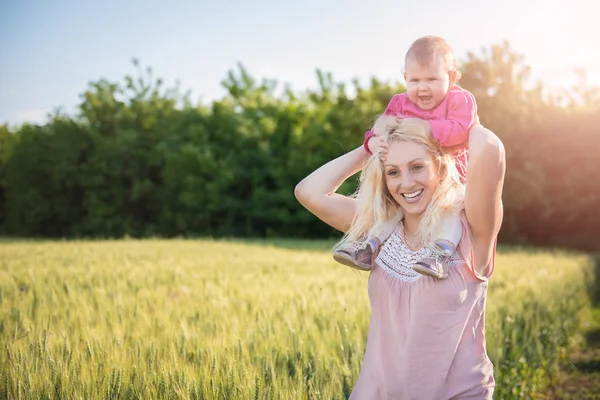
388, 227
451, 232
437, 266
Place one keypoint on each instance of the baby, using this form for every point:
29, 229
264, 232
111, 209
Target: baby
431, 94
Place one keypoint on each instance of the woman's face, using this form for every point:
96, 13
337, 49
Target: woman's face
411, 176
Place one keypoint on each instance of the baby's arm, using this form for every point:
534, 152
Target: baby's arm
461, 116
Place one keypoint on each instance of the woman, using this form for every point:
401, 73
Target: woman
426, 337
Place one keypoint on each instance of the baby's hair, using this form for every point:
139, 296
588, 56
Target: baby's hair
425, 50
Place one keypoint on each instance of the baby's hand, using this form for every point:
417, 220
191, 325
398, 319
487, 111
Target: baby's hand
378, 146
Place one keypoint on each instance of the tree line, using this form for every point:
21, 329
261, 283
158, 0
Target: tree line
139, 159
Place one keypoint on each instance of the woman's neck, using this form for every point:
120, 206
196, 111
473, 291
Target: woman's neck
411, 225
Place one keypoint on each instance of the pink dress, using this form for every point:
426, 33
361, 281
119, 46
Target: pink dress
426, 337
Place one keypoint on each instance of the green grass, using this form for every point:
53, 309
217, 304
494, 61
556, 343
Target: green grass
579, 376
241, 320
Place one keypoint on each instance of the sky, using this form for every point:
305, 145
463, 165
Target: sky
51, 51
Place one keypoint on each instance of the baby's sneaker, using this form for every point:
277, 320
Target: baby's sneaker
358, 255
436, 267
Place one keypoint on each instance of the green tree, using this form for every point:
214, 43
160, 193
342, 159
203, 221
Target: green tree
140, 159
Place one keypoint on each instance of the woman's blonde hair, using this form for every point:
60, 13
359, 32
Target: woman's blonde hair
376, 206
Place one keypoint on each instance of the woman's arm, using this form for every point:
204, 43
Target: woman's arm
483, 198
317, 194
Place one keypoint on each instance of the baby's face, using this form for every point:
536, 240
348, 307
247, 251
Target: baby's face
427, 85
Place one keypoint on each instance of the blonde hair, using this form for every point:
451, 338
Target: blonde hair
376, 206
425, 50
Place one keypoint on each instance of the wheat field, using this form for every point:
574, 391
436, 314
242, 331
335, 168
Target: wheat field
205, 319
